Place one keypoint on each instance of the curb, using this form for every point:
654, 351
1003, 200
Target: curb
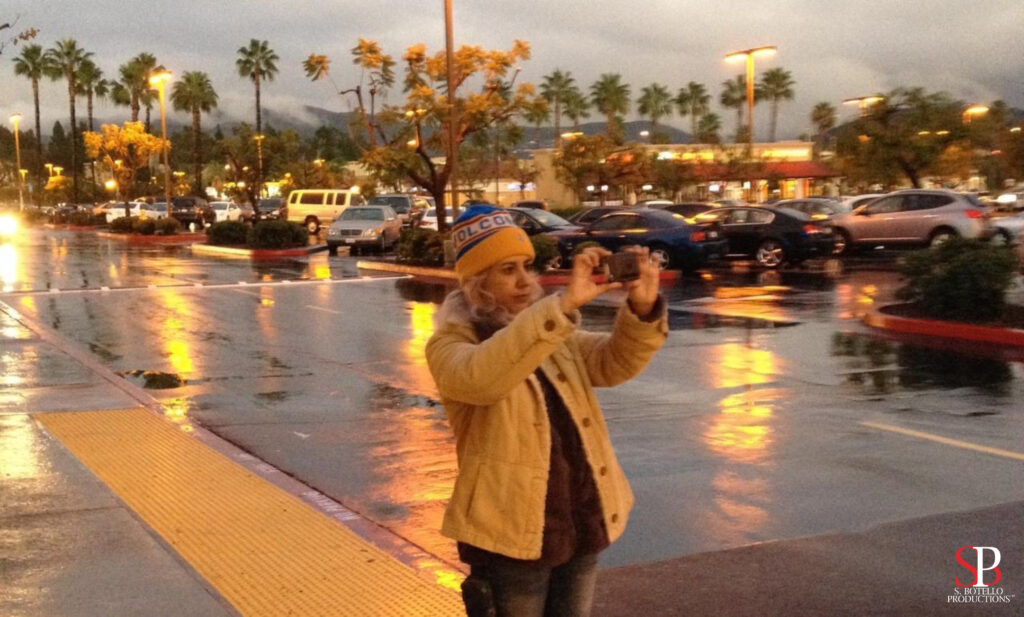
70, 227
944, 329
557, 277
154, 239
255, 254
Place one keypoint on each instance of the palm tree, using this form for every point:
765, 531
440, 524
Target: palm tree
258, 63
89, 79
611, 97
823, 116
734, 95
693, 100
537, 115
64, 59
132, 89
776, 85
194, 92
32, 65
556, 90
145, 64
655, 102
576, 107
708, 129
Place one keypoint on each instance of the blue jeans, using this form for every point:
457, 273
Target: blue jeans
522, 591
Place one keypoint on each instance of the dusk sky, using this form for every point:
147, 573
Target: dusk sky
835, 50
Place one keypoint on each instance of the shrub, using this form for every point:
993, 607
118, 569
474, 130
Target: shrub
277, 235
962, 280
546, 250
83, 219
121, 225
146, 227
167, 227
227, 233
420, 247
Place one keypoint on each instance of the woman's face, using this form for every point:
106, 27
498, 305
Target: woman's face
512, 283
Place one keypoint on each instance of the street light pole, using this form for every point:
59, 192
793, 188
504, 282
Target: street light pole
449, 42
748, 55
16, 120
159, 80
259, 164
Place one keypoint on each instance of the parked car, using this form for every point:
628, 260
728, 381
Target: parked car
230, 211
653, 203
271, 208
688, 209
1012, 199
818, 208
1007, 229
589, 215
673, 241
316, 207
116, 211
192, 212
728, 203
536, 204
535, 221
772, 236
365, 227
147, 210
912, 217
408, 207
429, 220
856, 201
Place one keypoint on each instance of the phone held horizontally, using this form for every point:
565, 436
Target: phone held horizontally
621, 267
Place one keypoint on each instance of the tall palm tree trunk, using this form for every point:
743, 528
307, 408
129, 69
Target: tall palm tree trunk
39, 145
197, 153
74, 141
739, 121
558, 122
259, 118
136, 107
775, 117
89, 108
693, 126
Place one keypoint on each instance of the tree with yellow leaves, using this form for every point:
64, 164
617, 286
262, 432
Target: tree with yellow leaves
405, 138
123, 151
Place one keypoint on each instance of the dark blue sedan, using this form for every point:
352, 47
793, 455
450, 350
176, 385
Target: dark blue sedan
673, 242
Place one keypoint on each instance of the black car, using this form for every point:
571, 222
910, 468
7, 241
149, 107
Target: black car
772, 236
535, 221
192, 212
589, 215
818, 208
271, 208
673, 241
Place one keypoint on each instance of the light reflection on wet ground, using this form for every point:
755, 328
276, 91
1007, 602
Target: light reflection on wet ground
328, 383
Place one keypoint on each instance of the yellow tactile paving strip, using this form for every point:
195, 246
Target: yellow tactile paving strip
264, 550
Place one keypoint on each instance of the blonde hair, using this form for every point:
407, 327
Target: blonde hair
481, 304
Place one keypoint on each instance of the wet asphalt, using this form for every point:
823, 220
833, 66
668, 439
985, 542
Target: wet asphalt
771, 414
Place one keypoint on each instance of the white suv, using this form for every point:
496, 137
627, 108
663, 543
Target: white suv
316, 208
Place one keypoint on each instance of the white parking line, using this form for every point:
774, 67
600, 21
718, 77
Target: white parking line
320, 308
956, 443
204, 286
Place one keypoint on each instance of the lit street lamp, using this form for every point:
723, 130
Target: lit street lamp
159, 81
864, 103
16, 120
748, 55
972, 111
452, 153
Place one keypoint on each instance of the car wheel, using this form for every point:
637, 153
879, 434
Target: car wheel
843, 245
312, 225
332, 250
1001, 238
940, 237
661, 256
770, 254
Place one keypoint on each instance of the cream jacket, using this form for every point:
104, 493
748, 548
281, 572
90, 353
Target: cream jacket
503, 436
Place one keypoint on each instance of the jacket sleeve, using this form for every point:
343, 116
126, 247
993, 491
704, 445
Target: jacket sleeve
614, 358
484, 373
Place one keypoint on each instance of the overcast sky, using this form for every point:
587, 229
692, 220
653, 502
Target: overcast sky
834, 49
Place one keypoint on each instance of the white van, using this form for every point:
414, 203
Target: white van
316, 208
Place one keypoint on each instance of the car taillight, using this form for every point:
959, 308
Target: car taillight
974, 214
698, 236
812, 229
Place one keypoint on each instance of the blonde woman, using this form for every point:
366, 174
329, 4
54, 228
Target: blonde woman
539, 493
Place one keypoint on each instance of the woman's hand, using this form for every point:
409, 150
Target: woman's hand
643, 292
582, 288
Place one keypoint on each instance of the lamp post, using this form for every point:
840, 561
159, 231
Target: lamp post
864, 103
159, 81
972, 111
259, 137
452, 154
16, 120
748, 55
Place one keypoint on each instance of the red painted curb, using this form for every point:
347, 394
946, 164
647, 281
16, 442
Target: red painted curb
944, 329
154, 239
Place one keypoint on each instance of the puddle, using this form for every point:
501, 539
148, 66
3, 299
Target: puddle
154, 380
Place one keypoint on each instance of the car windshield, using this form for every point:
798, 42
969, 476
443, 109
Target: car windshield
551, 220
269, 204
363, 214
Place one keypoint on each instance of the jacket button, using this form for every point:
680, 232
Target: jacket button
603, 471
562, 377
549, 325
586, 422
615, 518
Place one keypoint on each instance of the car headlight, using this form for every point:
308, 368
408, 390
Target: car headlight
371, 232
331, 231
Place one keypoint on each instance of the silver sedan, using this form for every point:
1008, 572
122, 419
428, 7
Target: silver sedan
365, 227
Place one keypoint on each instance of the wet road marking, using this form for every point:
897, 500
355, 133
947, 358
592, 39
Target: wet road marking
266, 551
204, 286
966, 445
326, 310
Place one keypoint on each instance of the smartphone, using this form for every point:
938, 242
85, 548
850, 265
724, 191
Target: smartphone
622, 267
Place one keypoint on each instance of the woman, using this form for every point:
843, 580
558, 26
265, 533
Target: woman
539, 492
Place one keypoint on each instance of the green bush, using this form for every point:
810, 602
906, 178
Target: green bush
227, 233
146, 227
167, 227
961, 280
545, 249
277, 235
86, 219
122, 225
420, 247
